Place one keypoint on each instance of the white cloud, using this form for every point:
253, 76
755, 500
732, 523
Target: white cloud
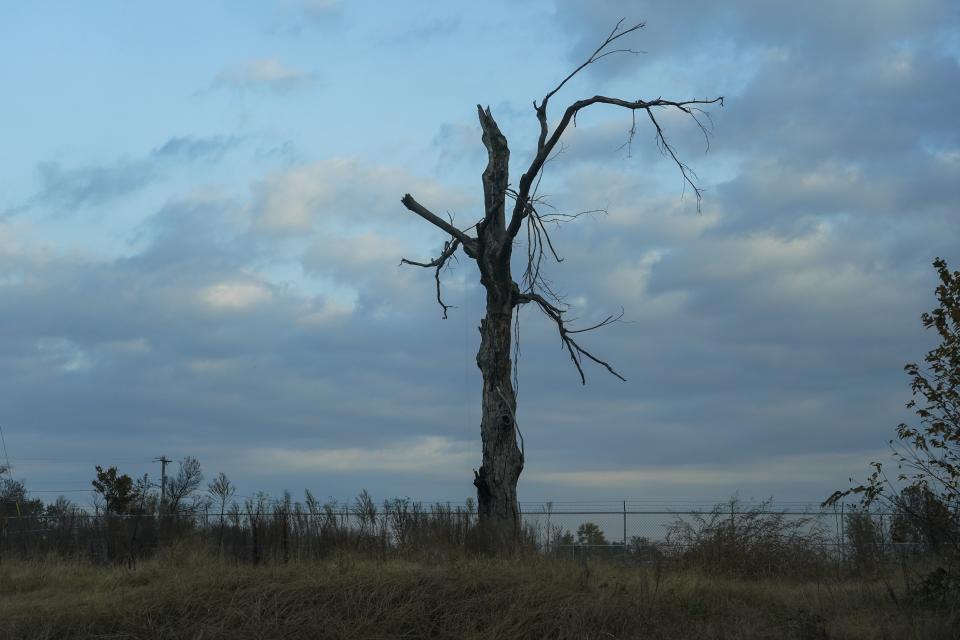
328, 313
344, 193
211, 366
430, 455
65, 355
234, 296
356, 257
804, 469
264, 73
319, 8
9, 246
133, 346
286, 202
346, 218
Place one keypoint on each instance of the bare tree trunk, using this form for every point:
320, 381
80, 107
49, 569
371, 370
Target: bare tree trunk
496, 480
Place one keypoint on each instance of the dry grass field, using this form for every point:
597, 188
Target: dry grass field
185, 593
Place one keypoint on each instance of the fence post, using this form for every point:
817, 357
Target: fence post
883, 538
843, 539
549, 509
624, 529
733, 524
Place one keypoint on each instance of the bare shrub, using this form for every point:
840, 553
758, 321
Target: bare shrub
750, 541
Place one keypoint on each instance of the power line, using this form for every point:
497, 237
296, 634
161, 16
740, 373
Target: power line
121, 461
62, 490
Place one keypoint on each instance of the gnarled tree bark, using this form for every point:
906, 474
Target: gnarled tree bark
496, 479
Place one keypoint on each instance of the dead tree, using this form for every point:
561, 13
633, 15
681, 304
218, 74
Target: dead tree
492, 248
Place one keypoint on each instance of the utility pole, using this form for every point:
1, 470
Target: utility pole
163, 479
6, 468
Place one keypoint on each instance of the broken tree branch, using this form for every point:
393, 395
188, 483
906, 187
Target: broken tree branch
469, 244
496, 175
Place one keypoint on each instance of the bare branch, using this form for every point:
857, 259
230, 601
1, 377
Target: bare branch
546, 141
520, 209
539, 242
615, 34
577, 353
685, 170
449, 248
469, 244
608, 320
557, 217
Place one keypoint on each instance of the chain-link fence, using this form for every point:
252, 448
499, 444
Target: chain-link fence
759, 534
670, 525
744, 536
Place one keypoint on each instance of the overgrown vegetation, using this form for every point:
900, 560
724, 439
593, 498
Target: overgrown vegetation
262, 567
925, 492
186, 593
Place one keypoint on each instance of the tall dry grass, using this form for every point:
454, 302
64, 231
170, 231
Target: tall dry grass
184, 592
282, 569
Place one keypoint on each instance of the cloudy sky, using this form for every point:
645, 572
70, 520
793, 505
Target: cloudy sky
201, 229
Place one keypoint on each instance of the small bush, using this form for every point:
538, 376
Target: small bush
750, 541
